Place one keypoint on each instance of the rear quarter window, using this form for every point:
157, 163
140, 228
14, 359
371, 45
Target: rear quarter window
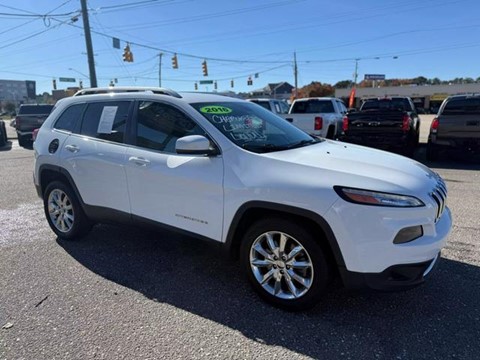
69, 118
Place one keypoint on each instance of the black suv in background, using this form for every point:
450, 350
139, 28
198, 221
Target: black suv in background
29, 118
457, 126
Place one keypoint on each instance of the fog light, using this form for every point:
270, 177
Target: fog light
408, 234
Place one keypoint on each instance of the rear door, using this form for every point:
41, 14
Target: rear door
460, 118
95, 155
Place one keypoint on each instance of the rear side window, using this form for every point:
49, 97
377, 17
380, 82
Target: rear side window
313, 106
264, 104
35, 109
462, 106
68, 120
106, 120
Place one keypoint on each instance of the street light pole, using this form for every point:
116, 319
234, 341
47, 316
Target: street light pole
88, 41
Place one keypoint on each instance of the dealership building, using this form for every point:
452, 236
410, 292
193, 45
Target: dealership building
428, 97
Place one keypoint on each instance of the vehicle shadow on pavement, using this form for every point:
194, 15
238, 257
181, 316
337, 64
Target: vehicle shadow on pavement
6, 147
451, 160
440, 319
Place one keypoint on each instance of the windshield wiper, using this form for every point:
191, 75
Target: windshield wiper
264, 147
303, 143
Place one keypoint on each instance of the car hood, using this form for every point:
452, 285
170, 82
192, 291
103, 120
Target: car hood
357, 166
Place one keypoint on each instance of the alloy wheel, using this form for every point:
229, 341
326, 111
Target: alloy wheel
281, 265
60, 210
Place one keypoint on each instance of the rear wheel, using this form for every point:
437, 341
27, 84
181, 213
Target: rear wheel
432, 152
284, 263
63, 211
331, 132
22, 141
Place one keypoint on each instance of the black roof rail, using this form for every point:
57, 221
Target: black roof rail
118, 90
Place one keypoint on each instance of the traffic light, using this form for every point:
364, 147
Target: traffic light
204, 68
215, 85
174, 62
80, 84
127, 54
232, 83
249, 81
54, 84
196, 86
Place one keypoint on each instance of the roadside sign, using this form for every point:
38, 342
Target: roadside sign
64, 79
206, 82
374, 77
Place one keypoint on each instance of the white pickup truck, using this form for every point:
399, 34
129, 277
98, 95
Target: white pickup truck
320, 116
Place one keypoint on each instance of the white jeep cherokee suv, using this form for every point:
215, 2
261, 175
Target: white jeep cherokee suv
296, 209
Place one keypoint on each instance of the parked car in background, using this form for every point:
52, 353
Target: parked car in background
274, 105
29, 118
389, 123
296, 209
319, 116
456, 126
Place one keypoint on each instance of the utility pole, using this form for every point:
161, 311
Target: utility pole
295, 73
88, 41
160, 69
355, 74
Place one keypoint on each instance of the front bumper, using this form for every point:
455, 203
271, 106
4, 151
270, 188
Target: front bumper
394, 278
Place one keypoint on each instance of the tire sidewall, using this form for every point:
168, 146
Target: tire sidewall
79, 223
312, 246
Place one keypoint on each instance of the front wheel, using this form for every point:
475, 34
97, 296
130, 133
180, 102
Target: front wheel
284, 263
63, 211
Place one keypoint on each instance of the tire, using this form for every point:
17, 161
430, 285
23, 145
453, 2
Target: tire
432, 152
330, 132
293, 280
64, 213
3, 134
22, 141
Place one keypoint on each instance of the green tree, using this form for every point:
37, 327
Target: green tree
9, 107
317, 89
344, 84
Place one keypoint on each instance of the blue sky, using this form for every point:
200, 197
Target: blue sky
399, 38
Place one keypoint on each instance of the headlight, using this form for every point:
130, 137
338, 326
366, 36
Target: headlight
367, 197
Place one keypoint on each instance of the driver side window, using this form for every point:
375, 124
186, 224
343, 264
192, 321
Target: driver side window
160, 125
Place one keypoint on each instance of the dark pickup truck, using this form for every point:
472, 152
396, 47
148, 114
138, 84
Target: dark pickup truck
29, 118
456, 126
389, 123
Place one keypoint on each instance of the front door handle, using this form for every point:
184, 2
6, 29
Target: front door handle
139, 161
72, 148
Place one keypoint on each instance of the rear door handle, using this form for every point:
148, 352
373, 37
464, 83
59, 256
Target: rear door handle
289, 119
139, 161
72, 148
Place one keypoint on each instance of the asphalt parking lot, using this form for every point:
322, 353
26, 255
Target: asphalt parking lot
129, 293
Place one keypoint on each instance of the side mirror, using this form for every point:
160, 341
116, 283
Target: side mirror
195, 145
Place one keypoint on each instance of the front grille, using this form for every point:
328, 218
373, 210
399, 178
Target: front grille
439, 195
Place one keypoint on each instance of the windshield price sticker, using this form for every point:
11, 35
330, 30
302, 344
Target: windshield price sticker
215, 109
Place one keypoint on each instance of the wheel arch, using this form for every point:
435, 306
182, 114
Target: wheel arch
249, 212
49, 173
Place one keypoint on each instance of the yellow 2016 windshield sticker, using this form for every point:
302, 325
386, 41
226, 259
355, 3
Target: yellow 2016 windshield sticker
215, 109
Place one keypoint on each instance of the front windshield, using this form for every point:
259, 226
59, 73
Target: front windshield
252, 127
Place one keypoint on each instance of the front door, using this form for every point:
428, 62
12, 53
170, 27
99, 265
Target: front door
183, 191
